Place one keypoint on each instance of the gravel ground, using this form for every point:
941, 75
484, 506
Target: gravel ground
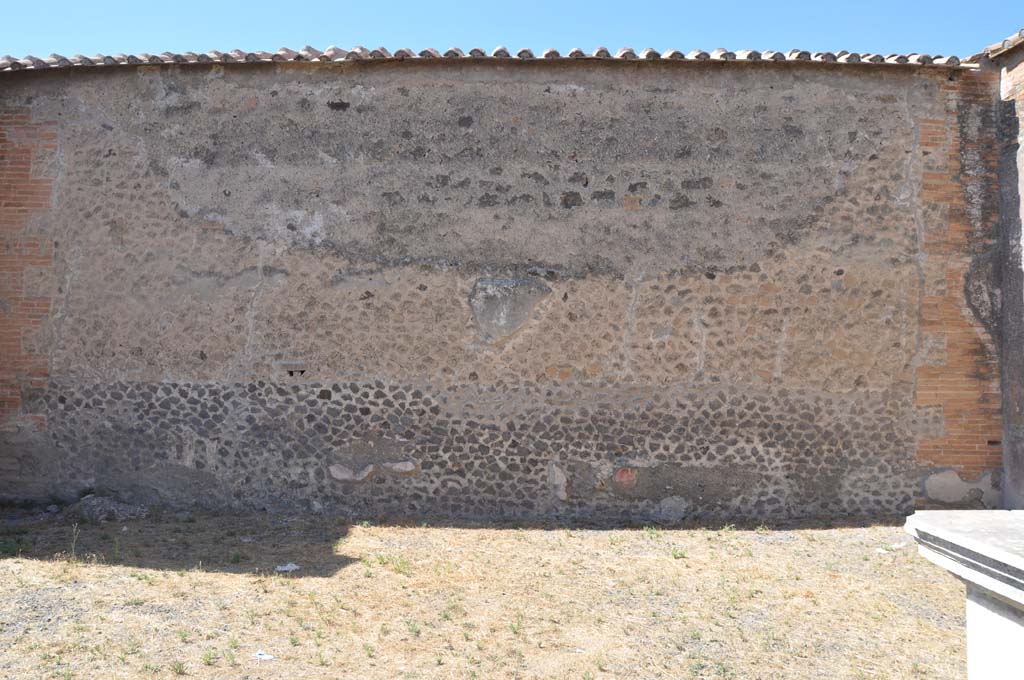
198, 596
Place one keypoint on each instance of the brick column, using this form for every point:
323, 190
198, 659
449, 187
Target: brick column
26, 260
959, 376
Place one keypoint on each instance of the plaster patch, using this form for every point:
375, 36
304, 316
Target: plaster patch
948, 487
501, 306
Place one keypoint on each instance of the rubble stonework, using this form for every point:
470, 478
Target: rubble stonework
602, 289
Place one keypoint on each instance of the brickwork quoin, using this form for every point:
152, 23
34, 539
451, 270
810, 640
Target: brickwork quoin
960, 375
26, 257
453, 289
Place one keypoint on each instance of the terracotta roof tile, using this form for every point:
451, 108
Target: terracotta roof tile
992, 51
336, 54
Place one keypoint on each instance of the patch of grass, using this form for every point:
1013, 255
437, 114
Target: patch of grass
178, 668
723, 671
398, 564
414, 628
13, 546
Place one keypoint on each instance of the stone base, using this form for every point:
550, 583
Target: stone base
995, 635
985, 549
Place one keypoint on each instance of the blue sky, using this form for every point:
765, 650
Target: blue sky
934, 27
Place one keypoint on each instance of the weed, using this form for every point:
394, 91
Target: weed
414, 628
517, 625
75, 533
401, 566
370, 651
209, 657
178, 668
723, 671
678, 553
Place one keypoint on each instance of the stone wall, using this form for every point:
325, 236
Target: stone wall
598, 291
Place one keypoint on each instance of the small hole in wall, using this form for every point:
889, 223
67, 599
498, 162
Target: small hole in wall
292, 372
994, 442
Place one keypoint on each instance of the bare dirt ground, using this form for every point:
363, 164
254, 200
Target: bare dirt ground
198, 597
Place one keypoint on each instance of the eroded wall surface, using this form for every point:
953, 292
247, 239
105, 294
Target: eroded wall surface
598, 291
1011, 67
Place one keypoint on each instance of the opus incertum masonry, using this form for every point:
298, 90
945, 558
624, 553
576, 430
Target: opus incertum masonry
648, 286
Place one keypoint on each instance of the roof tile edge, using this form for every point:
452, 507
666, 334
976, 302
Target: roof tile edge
334, 54
1000, 48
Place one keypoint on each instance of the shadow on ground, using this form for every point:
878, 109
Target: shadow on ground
254, 543
259, 542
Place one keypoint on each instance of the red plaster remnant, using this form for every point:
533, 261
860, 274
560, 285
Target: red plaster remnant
626, 477
23, 192
963, 378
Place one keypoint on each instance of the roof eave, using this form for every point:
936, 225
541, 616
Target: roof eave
1004, 47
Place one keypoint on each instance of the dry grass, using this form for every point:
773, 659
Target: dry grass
166, 598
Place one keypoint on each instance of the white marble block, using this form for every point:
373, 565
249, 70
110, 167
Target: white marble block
985, 549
